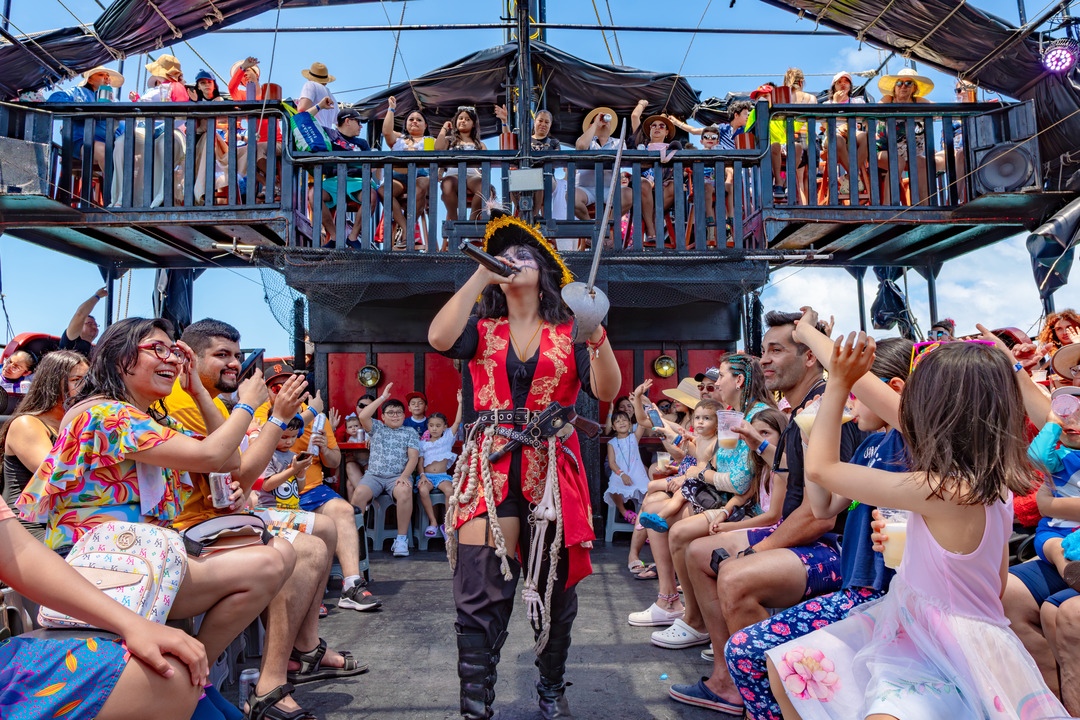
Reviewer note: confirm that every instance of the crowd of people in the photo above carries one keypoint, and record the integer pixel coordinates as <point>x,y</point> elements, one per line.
<point>340,129</point>
<point>779,488</point>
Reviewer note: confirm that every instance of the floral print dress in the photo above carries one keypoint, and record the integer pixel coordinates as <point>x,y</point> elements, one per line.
<point>87,479</point>
<point>57,678</point>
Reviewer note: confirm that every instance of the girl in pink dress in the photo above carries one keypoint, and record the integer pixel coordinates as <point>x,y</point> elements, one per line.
<point>938,644</point>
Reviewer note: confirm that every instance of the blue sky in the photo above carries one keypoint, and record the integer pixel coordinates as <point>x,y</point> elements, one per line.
<point>992,285</point>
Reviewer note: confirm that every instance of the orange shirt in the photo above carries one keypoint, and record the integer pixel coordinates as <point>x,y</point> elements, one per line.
<point>198,506</point>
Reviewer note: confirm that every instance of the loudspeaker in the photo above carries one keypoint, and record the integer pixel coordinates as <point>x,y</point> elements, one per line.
<point>1002,152</point>
<point>24,167</point>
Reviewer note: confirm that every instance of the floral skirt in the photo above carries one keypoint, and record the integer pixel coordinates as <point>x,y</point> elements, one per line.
<point>63,678</point>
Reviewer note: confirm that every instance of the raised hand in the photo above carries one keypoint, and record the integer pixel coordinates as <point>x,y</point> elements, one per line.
<point>392,102</point>
<point>290,397</point>
<point>851,359</point>
<point>335,419</point>
<point>253,390</point>
<point>316,403</point>
<point>386,391</point>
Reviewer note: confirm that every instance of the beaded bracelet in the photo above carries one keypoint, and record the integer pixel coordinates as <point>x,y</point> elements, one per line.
<point>245,406</point>
<point>594,348</point>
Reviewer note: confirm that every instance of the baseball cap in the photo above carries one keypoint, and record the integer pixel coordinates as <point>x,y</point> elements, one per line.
<point>712,373</point>
<point>348,113</point>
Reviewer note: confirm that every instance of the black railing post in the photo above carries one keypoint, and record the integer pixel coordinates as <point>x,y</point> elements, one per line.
<point>764,147</point>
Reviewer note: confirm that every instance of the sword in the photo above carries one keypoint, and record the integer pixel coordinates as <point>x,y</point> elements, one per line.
<point>589,304</point>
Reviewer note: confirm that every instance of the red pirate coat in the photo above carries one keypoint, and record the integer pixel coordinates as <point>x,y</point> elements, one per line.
<point>555,380</point>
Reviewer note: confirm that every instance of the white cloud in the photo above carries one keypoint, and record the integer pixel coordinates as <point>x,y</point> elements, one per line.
<point>993,285</point>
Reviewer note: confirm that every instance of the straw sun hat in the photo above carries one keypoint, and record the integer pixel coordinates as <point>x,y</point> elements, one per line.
<point>115,78</point>
<point>686,393</point>
<point>923,85</point>
<point>597,111</point>
<point>660,118</point>
<point>318,73</point>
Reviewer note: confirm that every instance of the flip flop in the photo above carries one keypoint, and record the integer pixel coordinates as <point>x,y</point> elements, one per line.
<point>649,574</point>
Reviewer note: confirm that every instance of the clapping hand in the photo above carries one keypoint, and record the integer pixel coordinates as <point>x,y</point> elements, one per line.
<point>851,359</point>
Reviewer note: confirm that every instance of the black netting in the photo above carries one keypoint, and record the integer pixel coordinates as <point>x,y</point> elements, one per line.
<point>343,279</point>
<point>282,300</point>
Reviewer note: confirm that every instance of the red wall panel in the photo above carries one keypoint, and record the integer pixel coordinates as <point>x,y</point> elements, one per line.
<point>625,358</point>
<point>441,383</point>
<point>343,387</point>
<point>396,368</point>
<point>701,360</point>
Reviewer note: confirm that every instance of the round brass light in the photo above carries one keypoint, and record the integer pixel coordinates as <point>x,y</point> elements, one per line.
<point>664,366</point>
<point>369,376</point>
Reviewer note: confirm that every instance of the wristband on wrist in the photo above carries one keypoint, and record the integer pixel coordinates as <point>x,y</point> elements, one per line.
<point>1017,367</point>
<point>245,406</point>
<point>761,448</point>
<point>280,423</point>
<point>677,441</point>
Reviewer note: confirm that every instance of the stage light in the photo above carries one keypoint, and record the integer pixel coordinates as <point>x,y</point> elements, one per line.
<point>664,366</point>
<point>369,376</point>
<point>1061,55</point>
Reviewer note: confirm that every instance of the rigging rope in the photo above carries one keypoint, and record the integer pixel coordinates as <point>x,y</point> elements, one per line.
<point>614,35</point>
<point>603,33</point>
<point>116,54</point>
<point>690,45</point>
<point>397,43</point>
<point>69,72</point>
<point>408,76</point>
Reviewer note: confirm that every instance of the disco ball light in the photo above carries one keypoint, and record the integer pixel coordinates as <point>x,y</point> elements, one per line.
<point>1061,55</point>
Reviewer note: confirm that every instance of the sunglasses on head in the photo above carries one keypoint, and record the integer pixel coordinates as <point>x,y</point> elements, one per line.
<point>466,108</point>
<point>921,350</point>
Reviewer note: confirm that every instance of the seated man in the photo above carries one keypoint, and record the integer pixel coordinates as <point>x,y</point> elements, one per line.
<point>597,128</point>
<point>394,452</point>
<point>293,652</point>
<point>767,568</point>
<point>82,329</point>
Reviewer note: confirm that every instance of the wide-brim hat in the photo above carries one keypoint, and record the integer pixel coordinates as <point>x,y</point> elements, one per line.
<point>654,118</point>
<point>686,393</point>
<point>236,66</point>
<point>154,80</point>
<point>505,231</point>
<point>601,111</point>
<point>842,74</point>
<point>164,65</point>
<point>115,78</point>
<point>1065,357</point>
<point>923,85</point>
<point>318,73</point>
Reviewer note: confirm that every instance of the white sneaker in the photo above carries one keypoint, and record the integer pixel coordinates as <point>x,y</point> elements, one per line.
<point>400,547</point>
<point>678,636</point>
<point>707,653</point>
<point>655,616</point>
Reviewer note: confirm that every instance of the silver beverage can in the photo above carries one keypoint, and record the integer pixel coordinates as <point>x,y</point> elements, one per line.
<point>220,492</point>
<point>606,117</point>
<point>248,680</point>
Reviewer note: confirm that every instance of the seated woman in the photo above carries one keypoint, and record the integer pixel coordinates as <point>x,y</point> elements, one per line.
<point>462,134</point>
<point>88,91</point>
<point>413,137</point>
<point>656,133</point>
<point>965,92</point>
<point>243,72</point>
<point>540,141</point>
<point>840,94</point>
<point>1061,328</point>
<point>117,459</point>
<point>149,670</point>
<point>28,436</point>
<point>907,86</point>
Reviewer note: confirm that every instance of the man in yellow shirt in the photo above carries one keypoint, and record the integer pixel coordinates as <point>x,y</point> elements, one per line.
<point>315,496</point>
<point>293,651</point>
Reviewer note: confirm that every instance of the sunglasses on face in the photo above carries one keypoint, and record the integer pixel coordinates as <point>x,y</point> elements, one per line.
<point>163,351</point>
<point>937,334</point>
<point>905,83</point>
<point>703,387</point>
<point>710,137</point>
<point>664,407</point>
<point>659,124</point>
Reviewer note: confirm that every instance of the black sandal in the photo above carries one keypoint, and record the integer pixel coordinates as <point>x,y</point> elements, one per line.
<point>312,669</point>
<point>264,707</point>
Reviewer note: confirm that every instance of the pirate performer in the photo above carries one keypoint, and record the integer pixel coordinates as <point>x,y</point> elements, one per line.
<point>519,488</point>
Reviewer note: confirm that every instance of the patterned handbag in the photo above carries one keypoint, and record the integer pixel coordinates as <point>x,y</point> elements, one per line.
<point>140,566</point>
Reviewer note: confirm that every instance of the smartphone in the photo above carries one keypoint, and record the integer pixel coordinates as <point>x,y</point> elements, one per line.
<point>253,360</point>
<point>654,417</point>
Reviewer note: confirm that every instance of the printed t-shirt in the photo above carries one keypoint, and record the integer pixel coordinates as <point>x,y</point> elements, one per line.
<point>88,478</point>
<point>390,449</point>
<point>199,505</point>
<point>420,426</point>
<point>860,566</point>
<point>314,476</point>
<point>287,494</point>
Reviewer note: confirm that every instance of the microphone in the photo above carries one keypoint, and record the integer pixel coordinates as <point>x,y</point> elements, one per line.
<point>489,261</point>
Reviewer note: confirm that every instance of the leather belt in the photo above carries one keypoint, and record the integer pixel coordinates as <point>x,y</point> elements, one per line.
<point>506,417</point>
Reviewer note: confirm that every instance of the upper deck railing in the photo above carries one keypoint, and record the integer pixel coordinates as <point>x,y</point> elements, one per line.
<point>138,172</point>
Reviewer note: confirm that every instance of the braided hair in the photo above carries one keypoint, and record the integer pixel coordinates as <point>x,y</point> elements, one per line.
<point>753,387</point>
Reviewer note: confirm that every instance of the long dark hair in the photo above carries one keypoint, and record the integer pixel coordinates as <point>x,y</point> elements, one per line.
<point>963,419</point>
<point>892,359</point>
<point>115,356</point>
<point>405,123</point>
<point>777,420</point>
<point>753,389</point>
<point>552,308</point>
<point>48,388</point>
<point>475,137</point>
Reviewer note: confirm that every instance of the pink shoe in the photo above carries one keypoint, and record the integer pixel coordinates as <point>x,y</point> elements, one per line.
<point>631,517</point>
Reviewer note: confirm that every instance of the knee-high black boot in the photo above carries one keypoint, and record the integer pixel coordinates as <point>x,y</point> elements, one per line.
<point>477,667</point>
<point>552,661</point>
<point>484,602</point>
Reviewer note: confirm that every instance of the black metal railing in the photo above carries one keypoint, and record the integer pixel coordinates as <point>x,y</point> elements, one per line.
<point>156,157</point>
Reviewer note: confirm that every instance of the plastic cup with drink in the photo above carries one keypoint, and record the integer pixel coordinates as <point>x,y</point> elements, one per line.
<point>726,422</point>
<point>808,415</point>
<point>895,535</point>
<point>663,461</point>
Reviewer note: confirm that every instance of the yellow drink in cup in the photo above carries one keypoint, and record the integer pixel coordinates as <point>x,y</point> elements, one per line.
<point>663,461</point>
<point>726,422</point>
<point>896,535</point>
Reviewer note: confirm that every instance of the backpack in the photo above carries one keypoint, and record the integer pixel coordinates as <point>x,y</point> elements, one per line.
<point>140,566</point>
<point>307,134</point>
